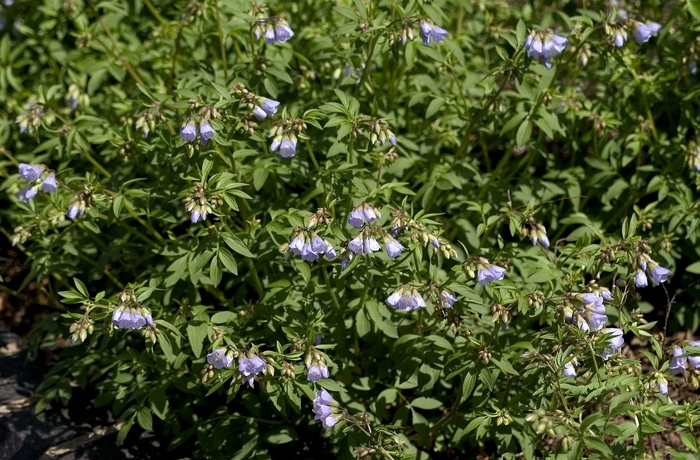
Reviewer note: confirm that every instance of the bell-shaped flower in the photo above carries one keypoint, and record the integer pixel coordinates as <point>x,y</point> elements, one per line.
<point>219,359</point>
<point>677,364</point>
<point>614,343</point>
<point>30,172</point>
<point>644,32</point>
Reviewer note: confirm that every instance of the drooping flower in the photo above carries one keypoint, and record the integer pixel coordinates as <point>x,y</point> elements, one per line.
<point>316,373</point>
<point>49,184</point>
<point>640,279</point>
<point>297,244</point>
<point>364,213</point>
<point>620,38</point>
<point>308,254</point>
<point>27,193</point>
<point>283,32</point>
<point>288,147</point>
<point>131,318</point>
<point>197,215</point>
<point>393,247</point>
<point>363,244</point>
<point>569,369</point>
<point>406,300</point>
<point>589,314</point>
<point>659,274</point>
<point>430,31</point>
<point>448,299</point>
<point>326,409</point>
<point>694,360</point>
<point>544,45</point>
<point>219,359</point>
<point>206,131</point>
<point>663,387</point>
<point>488,273</point>
<point>677,364</point>
<point>265,108</point>
<point>605,294</point>
<point>250,365</point>
<point>644,32</point>
<point>188,131</point>
<point>74,211</point>
<point>615,342</point>
<point>30,172</point>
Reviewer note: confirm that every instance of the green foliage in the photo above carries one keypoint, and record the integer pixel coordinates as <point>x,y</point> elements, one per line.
<point>599,153</point>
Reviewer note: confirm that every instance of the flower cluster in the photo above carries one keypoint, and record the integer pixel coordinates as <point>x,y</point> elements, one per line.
<point>250,365</point>
<point>544,45</point>
<point>147,121</point>
<point>379,131</point>
<point>406,299</point>
<point>39,177</point>
<point>79,203</point>
<point>326,409</point>
<point>364,243</point>
<point>677,364</point>
<point>198,205</point>
<point>275,30</point>
<point>285,137</point>
<point>615,341</point>
<point>316,367</point>
<point>658,273</point>
<point>487,272</point>
<point>220,358</point>
<point>188,131</point>
<point>129,314</point>
<point>363,214</point>
<point>588,313</point>
<point>309,245</point>
<point>640,31</point>
<point>30,122</point>
<point>534,231</point>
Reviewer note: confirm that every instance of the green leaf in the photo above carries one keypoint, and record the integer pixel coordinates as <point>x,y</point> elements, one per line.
<point>236,245</point>
<point>196,335</point>
<point>145,418</point>
<point>227,259</point>
<point>426,403</point>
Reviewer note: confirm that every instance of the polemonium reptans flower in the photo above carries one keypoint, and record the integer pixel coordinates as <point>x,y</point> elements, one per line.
<point>325,409</point>
<point>364,213</point>
<point>489,274</point>
<point>430,31</point>
<point>206,131</point>
<point>26,194</point>
<point>644,32</point>
<point>297,245</point>
<point>694,360</point>
<point>544,45</point>
<point>569,369</point>
<point>659,274</point>
<point>316,373</point>
<point>125,318</point>
<point>592,316</point>
<point>49,184</point>
<point>663,388</point>
<point>620,38</point>
<point>393,248</point>
<point>283,32</point>
<point>308,254</point>
<point>30,172</point>
<point>74,211</point>
<point>219,359</point>
<point>363,244</point>
<point>677,364</point>
<point>640,279</point>
<point>605,294</point>
<point>188,131</point>
<point>447,299</point>
<point>270,36</point>
<point>407,300</point>
<point>615,343</point>
<point>288,148</point>
<point>250,366</point>
<point>265,108</point>
<point>196,216</point>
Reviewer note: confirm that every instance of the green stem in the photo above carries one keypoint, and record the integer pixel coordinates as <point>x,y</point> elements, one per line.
<point>256,279</point>
<point>155,12</point>
<point>222,39</point>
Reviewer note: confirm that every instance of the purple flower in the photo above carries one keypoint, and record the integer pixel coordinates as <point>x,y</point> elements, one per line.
<point>640,279</point>
<point>569,369</point>
<point>308,254</point>
<point>447,299</point>
<point>620,38</point>
<point>318,244</point>
<point>330,251</point>
<point>490,274</point>
<point>288,148</point>
<point>663,388</point>
<point>219,359</point>
<point>405,300</point>
<point>266,107</point>
<point>316,373</point>
<point>275,144</point>
<point>428,31</point>
<point>644,32</point>
<point>196,216</point>
<point>125,319</point>
<point>605,294</point>
<point>544,46</point>
<point>283,33</point>
<point>74,211</point>
<point>189,131</point>
<point>435,242</point>
<point>26,194</point>
<point>659,274</point>
<point>615,343</point>
<point>677,364</point>
<point>324,409</point>
<point>270,37</point>
<point>364,213</point>
<point>363,244</point>
<point>206,131</point>
<point>392,139</point>
<point>694,360</point>
<point>545,241</point>
<point>250,367</point>
<point>297,245</point>
<point>393,248</point>
<point>49,184</point>
<point>30,172</point>
<point>370,245</point>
